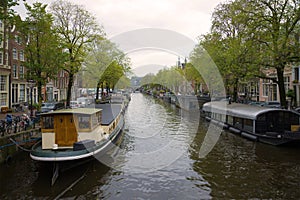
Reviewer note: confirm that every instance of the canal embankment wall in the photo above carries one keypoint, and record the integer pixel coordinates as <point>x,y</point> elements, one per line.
<point>185,102</point>
<point>10,144</point>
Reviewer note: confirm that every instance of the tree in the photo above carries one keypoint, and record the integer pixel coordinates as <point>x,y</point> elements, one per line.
<point>112,74</point>
<point>274,25</point>
<point>148,79</point>
<point>104,57</point>
<point>250,36</point>
<point>7,13</point>
<point>194,76</point>
<point>208,59</point>
<point>44,55</point>
<point>77,28</point>
<point>230,45</point>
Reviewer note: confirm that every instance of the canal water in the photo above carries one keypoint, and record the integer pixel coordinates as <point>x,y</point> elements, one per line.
<point>165,153</point>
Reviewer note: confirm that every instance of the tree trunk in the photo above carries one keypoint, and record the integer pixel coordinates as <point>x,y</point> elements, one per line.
<point>102,89</point>
<point>97,90</point>
<point>235,89</point>
<point>71,78</point>
<point>40,96</point>
<point>281,86</point>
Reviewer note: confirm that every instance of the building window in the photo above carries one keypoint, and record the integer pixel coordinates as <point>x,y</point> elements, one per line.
<point>3,99</point>
<point>15,56</point>
<point>1,58</point>
<point>22,93</point>
<point>296,70</point>
<point>14,93</point>
<point>6,58</point>
<point>2,83</point>
<point>18,39</point>
<point>287,83</point>
<point>22,55</point>
<point>21,71</point>
<point>15,74</point>
<point>266,87</point>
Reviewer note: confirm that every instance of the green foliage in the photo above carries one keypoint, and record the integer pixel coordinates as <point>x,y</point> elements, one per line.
<point>290,93</point>
<point>76,28</point>
<point>148,79</point>
<point>7,13</point>
<point>205,58</point>
<point>44,55</point>
<point>249,36</point>
<point>123,83</point>
<point>105,65</point>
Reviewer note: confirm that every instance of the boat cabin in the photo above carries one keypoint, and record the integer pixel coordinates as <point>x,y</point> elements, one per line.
<point>253,119</point>
<point>63,128</point>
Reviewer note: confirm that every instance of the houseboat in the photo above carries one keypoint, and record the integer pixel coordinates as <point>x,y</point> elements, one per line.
<point>268,125</point>
<point>72,134</point>
<point>75,135</point>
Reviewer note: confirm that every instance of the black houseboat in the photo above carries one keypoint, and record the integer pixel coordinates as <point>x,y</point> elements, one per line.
<point>268,125</point>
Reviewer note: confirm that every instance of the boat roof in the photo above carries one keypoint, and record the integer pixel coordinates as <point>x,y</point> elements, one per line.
<point>88,111</point>
<point>109,112</point>
<point>238,110</point>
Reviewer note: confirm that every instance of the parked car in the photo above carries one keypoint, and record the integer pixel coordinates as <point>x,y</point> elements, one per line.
<point>273,104</point>
<point>51,106</point>
<point>74,104</point>
<point>257,103</point>
<point>297,109</point>
<point>83,101</point>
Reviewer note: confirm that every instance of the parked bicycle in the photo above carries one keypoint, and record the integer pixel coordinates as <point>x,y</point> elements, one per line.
<point>14,124</point>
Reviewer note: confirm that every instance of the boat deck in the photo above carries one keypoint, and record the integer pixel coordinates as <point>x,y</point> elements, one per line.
<point>109,112</point>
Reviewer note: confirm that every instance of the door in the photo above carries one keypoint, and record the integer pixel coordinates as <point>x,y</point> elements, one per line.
<point>65,130</point>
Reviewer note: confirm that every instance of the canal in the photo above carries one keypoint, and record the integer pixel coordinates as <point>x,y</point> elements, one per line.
<point>160,157</point>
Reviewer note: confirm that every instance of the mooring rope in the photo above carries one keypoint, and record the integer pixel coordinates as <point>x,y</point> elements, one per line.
<point>16,143</point>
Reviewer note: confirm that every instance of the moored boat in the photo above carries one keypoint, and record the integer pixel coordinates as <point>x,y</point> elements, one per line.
<point>72,134</point>
<point>268,125</point>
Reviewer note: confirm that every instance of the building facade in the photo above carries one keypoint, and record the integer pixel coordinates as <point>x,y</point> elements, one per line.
<point>5,69</point>
<point>15,90</point>
<point>296,84</point>
<point>19,84</point>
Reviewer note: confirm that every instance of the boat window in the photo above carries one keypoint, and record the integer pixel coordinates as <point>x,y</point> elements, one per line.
<point>283,117</point>
<point>94,120</point>
<point>276,121</point>
<point>294,118</point>
<point>223,118</point>
<point>47,122</point>
<point>238,122</point>
<point>261,117</point>
<point>99,117</point>
<point>219,116</point>
<point>84,121</point>
<point>248,125</point>
<point>230,120</point>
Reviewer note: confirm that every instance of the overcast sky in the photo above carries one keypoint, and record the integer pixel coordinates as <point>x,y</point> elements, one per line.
<point>189,19</point>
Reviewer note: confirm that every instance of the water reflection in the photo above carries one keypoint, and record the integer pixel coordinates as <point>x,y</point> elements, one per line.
<point>159,134</point>
<point>238,168</point>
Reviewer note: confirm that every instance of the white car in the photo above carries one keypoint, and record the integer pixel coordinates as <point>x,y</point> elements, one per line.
<point>74,104</point>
